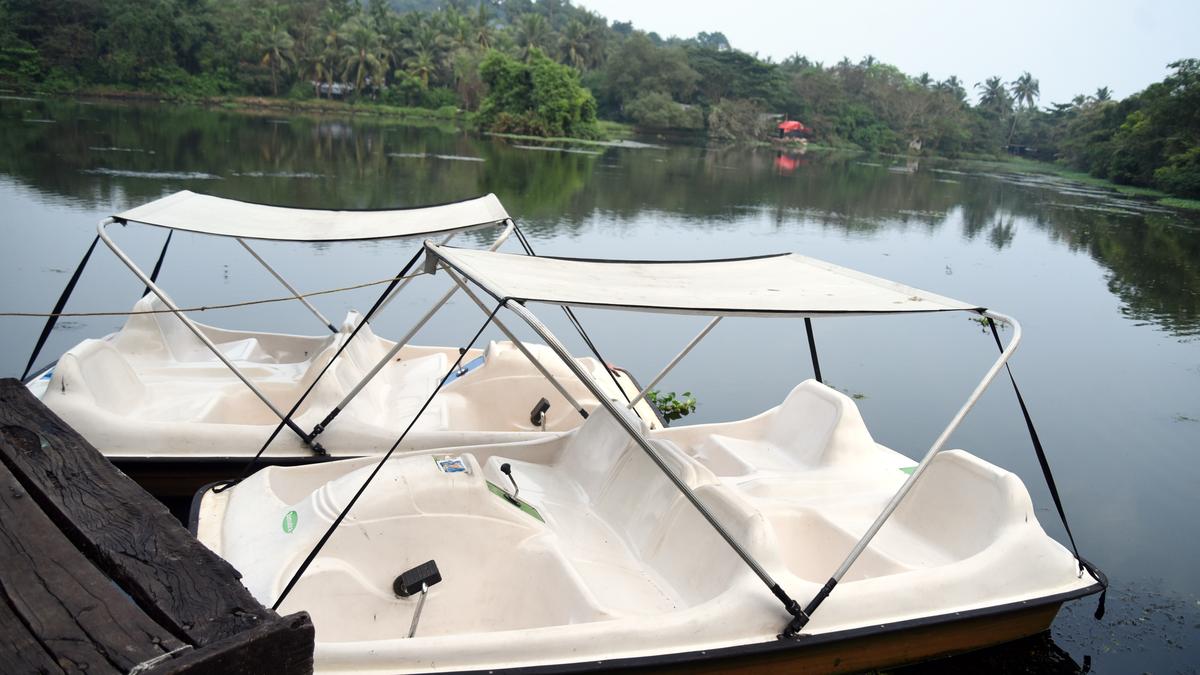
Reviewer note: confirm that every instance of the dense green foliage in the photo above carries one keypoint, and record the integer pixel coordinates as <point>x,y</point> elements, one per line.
<point>454,53</point>
<point>1149,139</point>
<point>536,96</point>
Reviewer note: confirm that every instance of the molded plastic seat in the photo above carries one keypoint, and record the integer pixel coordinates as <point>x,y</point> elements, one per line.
<point>814,427</point>
<point>622,522</point>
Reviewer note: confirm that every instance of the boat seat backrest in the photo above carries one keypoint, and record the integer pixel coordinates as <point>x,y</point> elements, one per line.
<point>623,485</point>
<point>141,335</point>
<point>357,359</point>
<point>817,425</point>
<point>693,557</point>
<point>960,505</point>
<point>152,332</point>
<point>594,451</point>
<point>638,497</point>
<point>96,367</point>
<point>182,344</point>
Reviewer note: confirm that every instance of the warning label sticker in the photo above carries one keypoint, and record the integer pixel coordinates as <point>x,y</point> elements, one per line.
<point>450,464</point>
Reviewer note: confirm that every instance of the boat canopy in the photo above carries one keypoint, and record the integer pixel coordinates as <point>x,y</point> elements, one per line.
<point>205,214</point>
<point>786,284</point>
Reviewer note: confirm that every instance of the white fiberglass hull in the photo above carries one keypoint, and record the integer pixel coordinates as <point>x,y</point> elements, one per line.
<point>152,392</point>
<point>607,564</point>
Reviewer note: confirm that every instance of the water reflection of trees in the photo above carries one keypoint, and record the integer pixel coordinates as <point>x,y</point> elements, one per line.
<point>121,155</point>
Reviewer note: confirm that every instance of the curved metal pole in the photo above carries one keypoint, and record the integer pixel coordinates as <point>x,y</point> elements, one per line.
<point>295,293</point>
<point>191,325</point>
<point>508,229</point>
<point>937,447</point>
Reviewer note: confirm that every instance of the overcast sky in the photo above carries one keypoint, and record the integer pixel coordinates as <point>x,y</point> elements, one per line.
<point>1070,46</point>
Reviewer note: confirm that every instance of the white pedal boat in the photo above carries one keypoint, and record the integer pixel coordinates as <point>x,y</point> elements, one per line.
<point>153,391</point>
<point>788,540</point>
<point>177,403</point>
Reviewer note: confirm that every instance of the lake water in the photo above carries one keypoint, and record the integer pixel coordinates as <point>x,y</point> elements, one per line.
<point>1107,289</point>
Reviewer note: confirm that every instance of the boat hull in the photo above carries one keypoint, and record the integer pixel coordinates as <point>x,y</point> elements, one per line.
<point>851,651</point>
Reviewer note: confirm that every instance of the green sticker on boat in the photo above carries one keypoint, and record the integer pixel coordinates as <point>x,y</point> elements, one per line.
<point>289,521</point>
<point>908,469</point>
<point>521,503</point>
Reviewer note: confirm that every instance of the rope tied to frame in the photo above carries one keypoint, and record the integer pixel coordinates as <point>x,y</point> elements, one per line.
<point>225,485</point>
<point>205,308</point>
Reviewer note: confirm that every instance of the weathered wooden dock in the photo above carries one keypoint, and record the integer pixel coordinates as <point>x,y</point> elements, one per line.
<point>97,576</point>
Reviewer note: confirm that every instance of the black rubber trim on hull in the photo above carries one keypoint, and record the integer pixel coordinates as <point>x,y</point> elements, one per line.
<point>193,521</point>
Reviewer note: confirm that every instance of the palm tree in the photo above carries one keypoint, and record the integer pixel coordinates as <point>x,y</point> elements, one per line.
<point>421,65</point>
<point>455,27</point>
<point>595,36</point>
<point>1025,91</point>
<point>275,44</point>
<point>954,87</point>
<point>994,96</point>
<point>326,64</point>
<point>481,27</point>
<point>425,48</point>
<point>531,32</point>
<point>924,80</point>
<point>362,53</point>
<point>573,44</point>
<point>1102,94</point>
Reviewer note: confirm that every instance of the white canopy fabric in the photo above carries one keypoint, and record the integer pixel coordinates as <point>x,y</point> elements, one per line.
<point>785,284</point>
<point>205,214</point>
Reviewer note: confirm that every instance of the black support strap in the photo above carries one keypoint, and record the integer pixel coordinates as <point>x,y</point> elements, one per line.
<point>812,348</point>
<point>1037,447</point>
<point>801,618</point>
<point>1041,455</point>
<point>58,307</point>
<point>158,265</point>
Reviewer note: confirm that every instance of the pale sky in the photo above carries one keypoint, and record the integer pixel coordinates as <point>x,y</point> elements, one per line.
<point>1071,46</point>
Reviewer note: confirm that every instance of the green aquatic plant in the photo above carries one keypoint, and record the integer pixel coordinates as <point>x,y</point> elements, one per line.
<point>983,322</point>
<point>670,405</point>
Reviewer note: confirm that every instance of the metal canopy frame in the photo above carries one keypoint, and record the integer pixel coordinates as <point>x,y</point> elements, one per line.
<point>194,328</point>
<point>800,615</point>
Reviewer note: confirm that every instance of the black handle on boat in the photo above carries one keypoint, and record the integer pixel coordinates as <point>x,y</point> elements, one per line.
<point>537,416</point>
<point>506,469</point>
<point>417,579</point>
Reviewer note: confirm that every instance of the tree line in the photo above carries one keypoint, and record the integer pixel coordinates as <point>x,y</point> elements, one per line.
<point>552,68</point>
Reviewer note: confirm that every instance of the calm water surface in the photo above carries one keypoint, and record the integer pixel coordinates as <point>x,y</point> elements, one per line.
<point>1108,291</point>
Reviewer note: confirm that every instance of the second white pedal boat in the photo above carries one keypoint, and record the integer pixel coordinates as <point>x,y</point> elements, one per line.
<point>177,403</point>
<point>790,539</point>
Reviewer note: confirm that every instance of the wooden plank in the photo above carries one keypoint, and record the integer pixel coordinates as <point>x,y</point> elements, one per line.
<point>281,647</point>
<point>20,651</point>
<point>129,535</point>
<point>71,609</point>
